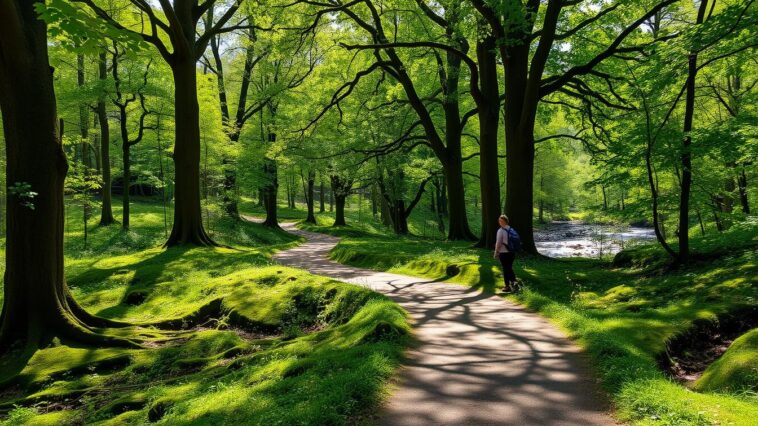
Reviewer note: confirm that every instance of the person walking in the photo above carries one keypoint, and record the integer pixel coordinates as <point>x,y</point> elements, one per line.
<point>506,253</point>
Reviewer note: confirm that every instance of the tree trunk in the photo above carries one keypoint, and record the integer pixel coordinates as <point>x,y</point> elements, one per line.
<point>339,215</point>
<point>452,163</point>
<point>489,115</point>
<point>458,228</point>
<point>127,177</point>
<point>729,187</point>
<point>605,198</point>
<point>84,143</point>
<point>442,197</point>
<point>386,212</point>
<point>686,156</point>
<point>309,197</point>
<point>519,144</point>
<point>106,213</point>
<point>542,200</point>
<point>271,188</point>
<point>321,197</point>
<point>340,190</point>
<point>700,221</point>
<point>742,184</point>
<point>399,218</point>
<point>231,206</point>
<point>432,204</point>
<point>374,201</point>
<point>38,304</point>
<point>188,219</point>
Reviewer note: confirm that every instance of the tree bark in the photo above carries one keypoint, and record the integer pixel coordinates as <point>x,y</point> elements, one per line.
<point>742,184</point>
<point>309,197</point>
<point>84,143</point>
<point>340,190</point>
<point>321,196</point>
<point>686,156</point>
<point>38,304</point>
<point>489,115</point>
<point>127,176</point>
<point>106,212</point>
<point>339,215</point>
<point>271,188</point>
<point>188,220</point>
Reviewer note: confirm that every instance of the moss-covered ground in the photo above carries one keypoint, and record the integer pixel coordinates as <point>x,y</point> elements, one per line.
<point>622,315</point>
<point>229,337</point>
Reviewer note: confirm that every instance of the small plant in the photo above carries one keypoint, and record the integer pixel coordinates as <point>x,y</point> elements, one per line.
<point>19,415</point>
<point>23,191</point>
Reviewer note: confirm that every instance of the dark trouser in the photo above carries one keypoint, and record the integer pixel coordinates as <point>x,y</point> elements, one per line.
<point>506,259</point>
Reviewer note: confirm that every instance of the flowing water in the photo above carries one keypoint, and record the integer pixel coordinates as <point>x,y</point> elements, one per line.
<point>578,239</point>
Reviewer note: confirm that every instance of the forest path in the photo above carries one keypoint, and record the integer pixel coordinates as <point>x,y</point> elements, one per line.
<point>479,359</point>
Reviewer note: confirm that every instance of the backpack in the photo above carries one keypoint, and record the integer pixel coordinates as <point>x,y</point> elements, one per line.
<point>514,240</point>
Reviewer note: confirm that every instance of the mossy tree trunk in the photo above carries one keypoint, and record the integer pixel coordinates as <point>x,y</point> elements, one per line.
<point>38,304</point>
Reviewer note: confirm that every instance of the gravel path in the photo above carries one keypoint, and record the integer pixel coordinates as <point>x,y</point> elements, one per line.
<point>479,360</point>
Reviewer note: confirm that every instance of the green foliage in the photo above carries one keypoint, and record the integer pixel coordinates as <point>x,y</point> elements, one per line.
<point>23,191</point>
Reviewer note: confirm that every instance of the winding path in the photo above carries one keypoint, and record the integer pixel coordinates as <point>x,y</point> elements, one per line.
<point>480,359</point>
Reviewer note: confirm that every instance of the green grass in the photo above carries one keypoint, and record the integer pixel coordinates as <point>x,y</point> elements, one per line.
<point>277,346</point>
<point>622,316</point>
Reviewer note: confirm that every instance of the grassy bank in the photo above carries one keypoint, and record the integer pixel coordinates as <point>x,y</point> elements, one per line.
<point>622,316</point>
<point>228,338</point>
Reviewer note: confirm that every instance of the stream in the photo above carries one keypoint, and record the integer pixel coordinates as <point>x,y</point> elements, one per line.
<point>578,239</point>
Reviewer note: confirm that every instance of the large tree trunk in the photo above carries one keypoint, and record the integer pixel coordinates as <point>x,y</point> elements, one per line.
<point>339,214</point>
<point>489,111</point>
<point>38,304</point>
<point>106,212</point>
<point>458,228</point>
<point>519,188</point>
<point>519,145</point>
<point>188,219</point>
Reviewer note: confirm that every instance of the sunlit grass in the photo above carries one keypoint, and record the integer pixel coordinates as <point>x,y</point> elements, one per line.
<point>282,346</point>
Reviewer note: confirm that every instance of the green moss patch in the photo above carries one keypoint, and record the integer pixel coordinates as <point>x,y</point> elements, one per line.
<point>736,370</point>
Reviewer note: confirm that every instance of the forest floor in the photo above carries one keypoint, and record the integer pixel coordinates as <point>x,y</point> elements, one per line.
<point>231,338</point>
<point>629,318</point>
